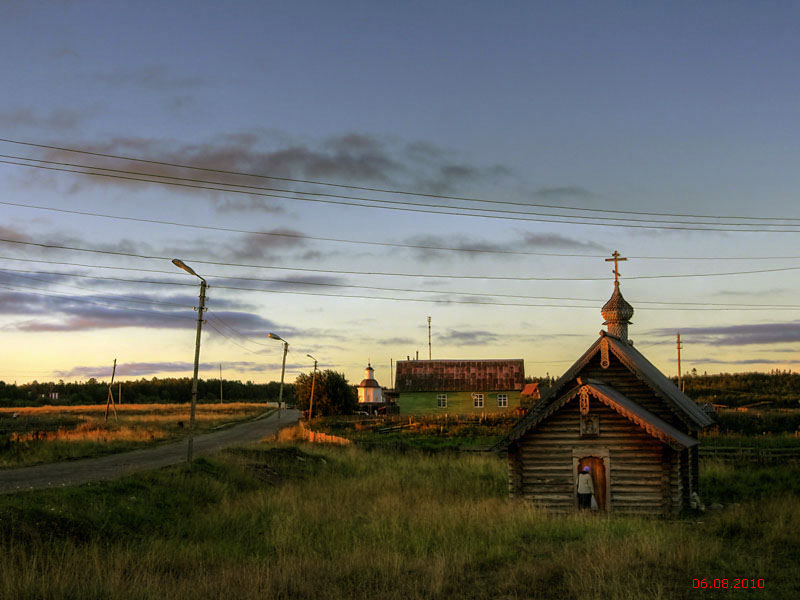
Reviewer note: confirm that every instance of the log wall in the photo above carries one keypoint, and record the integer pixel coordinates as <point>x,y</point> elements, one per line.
<point>643,475</point>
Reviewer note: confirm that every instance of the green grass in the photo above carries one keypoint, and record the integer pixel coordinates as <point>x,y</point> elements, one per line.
<point>769,440</point>
<point>426,433</point>
<point>295,521</point>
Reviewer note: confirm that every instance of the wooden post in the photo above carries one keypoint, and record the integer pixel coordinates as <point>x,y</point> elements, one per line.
<point>110,399</point>
<point>679,363</point>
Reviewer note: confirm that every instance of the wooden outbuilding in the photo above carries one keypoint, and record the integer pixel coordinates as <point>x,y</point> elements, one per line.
<point>616,413</point>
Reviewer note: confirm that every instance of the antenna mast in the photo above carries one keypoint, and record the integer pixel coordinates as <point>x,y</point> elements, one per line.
<point>679,361</point>
<point>429,338</point>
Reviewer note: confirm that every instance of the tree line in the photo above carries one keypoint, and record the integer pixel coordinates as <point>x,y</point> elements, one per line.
<point>781,388</point>
<point>141,391</point>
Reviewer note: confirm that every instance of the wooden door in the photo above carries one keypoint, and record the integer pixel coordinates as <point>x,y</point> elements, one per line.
<point>598,472</point>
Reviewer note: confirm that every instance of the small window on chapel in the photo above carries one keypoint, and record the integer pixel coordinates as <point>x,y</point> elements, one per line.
<point>502,400</point>
<point>477,400</point>
<point>441,400</point>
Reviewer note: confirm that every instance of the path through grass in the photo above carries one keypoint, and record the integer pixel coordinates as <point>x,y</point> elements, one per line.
<point>44,434</point>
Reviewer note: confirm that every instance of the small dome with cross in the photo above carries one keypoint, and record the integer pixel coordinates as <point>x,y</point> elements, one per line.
<point>617,312</point>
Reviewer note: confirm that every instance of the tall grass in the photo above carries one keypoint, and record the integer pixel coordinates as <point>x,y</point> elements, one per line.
<point>291,521</point>
<point>34,435</point>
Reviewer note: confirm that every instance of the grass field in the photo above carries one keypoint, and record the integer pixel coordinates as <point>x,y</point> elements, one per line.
<point>295,521</point>
<point>767,440</point>
<point>42,434</point>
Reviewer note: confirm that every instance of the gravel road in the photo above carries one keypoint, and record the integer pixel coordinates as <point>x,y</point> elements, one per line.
<point>76,472</point>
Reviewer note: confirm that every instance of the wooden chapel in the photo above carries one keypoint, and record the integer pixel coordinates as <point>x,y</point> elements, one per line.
<point>615,412</point>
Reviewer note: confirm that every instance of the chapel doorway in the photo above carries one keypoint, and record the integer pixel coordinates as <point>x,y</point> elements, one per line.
<point>598,471</point>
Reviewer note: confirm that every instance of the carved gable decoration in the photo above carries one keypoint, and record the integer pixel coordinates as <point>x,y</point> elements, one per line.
<point>604,359</point>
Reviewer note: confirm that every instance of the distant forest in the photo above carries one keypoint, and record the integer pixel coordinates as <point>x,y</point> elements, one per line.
<point>142,391</point>
<point>781,388</point>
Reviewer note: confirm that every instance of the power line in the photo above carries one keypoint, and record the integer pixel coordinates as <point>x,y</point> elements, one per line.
<point>432,300</point>
<point>231,340</point>
<point>377,190</point>
<point>517,217</point>
<point>388,274</point>
<point>738,305</point>
<point>370,243</point>
<point>139,174</point>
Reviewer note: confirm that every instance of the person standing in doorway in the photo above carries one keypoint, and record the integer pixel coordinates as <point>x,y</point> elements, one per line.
<point>585,488</point>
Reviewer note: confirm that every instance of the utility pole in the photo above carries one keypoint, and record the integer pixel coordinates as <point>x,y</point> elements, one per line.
<point>283,371</point>
<point>313,382</point>
<point>119,393</point>
<point>220,383</point>
<point>391,373</point>
<point>275,336</point>
<point>200,310</point>
<point>110,399</point>
<point>429,339</point>
<point>679,362</point>
<point>201,307</point>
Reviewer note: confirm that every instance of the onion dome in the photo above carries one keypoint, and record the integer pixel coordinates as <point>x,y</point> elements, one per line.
<point>617,314</point>
<point>369,381</point>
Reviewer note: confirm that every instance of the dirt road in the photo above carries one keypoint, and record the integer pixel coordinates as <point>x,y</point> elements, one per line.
<point>115,465</point>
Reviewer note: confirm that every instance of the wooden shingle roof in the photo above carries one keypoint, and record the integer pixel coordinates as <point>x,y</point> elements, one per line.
<point>632,411</point>
<point>633,360</point>
<point>460,375</point>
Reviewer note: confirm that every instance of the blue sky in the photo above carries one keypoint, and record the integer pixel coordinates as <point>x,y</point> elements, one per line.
<point>673,108</point>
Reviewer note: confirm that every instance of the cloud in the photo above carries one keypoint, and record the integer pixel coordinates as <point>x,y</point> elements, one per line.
<point>739,335</point>
<point>771,292</point>
<point>152,77</point>
<point>570,191</point>
<point>459,337</point>
<point>256,246</point>
<point>10,233</point>
<point>354,158</point>
<point>554,241</point>
<point>395,341</point>
<point>139,369</point>
<point>43,312</point>
<point>746,361</point>
<point>472,246</point>
<point>61,119</point>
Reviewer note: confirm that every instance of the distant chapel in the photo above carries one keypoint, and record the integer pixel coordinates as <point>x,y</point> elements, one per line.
<point>614,412</point>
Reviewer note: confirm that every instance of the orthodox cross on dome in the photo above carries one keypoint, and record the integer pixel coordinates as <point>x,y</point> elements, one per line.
<point>616,257</point>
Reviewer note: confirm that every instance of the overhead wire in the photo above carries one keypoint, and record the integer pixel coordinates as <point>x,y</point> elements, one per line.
<point>732,227</point>
<point>284,234</point>
<point>141,176</point>
<point>373,189</point>
<point>392,274</point>
<point>738,305</point>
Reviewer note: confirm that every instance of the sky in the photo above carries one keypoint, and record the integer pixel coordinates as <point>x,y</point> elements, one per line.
<point>377,163</point>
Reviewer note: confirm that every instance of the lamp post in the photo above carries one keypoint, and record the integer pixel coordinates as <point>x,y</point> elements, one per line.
<point>313,381</point>
<point>283,368</point>
<point>202,306</point>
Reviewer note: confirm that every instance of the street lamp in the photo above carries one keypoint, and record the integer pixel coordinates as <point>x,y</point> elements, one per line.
<point>202,306</point>
<point>313,381</point>
<point>283,368</point>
